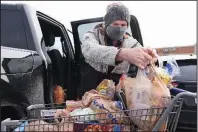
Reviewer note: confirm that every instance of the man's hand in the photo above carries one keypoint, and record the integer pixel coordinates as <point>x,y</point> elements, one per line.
<point>151,52</point>
<point>140,57</point>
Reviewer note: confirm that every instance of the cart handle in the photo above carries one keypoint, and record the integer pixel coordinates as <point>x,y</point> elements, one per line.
<point>37,106</point>
<point>171,106</point>
<point>8,122</point>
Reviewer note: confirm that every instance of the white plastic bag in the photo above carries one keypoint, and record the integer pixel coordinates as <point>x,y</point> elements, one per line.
<point>141,91</point>
<point>172,68</point>
<point>142,95</point>
<point>141,100</point>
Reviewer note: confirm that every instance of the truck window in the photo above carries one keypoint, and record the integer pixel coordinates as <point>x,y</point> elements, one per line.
<point>12,29</point>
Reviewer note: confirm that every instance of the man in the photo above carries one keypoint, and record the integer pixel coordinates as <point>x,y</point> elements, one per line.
<point>109,50</point>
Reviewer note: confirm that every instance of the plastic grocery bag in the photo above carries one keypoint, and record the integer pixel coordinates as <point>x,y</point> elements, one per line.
<point>144,93</point>
<point>141,91</point>
<point>172,68</point>
<point>140,100</point>
<point>168,72</point>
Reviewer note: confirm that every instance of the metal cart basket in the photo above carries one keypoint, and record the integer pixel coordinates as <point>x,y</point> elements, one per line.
<point>41,118</point>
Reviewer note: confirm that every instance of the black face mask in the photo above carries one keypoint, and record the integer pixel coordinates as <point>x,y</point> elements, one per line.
<point>116,33</point>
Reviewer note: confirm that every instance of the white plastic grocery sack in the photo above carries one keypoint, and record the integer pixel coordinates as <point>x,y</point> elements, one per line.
<point>141,91</point>
<point>142,95</point>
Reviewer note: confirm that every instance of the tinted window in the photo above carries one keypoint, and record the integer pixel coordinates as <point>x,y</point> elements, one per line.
<point>12,29</point>
<point>82,29</point>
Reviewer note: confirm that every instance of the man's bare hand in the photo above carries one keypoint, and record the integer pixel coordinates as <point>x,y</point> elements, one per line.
<point>140,57</point>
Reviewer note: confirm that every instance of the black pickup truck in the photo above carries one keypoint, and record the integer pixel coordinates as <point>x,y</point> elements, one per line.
<point>37,54</point>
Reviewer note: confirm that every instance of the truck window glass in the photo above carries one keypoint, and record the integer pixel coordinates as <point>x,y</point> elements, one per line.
<point>82,29</point>
<point>12,29</point>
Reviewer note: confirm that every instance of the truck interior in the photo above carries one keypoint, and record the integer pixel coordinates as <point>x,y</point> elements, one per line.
<point>52,35</point>
<point>55,48</point>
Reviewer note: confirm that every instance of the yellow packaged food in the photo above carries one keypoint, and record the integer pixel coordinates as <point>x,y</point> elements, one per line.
<point>165,77</point>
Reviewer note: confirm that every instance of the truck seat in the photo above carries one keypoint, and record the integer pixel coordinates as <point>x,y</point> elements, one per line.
<point>56,58</point>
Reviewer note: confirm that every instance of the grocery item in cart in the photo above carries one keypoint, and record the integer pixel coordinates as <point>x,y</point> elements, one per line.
<point>79,114</point>
<point>104,109</point>
<point>59,95</point>
<point>61,113</point>
<point>72,105</point>
<point>88,97</point>
<point>107,128</point>
<point>168,72</point>
<point>106,88</point>
<point>94,102</point>
<point>143,94</point>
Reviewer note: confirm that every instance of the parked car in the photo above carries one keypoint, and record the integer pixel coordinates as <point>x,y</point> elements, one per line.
<point>37,55</point>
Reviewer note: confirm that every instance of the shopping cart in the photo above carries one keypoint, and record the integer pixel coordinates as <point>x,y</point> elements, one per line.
<point>41,118</point>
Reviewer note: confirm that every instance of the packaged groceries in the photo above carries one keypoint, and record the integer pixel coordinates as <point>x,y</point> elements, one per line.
<point>71,105</point>
<point>61,112</point>
<point>103,109</point>
<point>98,102</point>
<point>88,97</point>
<point>98,111</point>
<point>168,72</point>
<point>107,128</point>
<point>79,114</point>
<point>106,88</point>
<point>59,95</point>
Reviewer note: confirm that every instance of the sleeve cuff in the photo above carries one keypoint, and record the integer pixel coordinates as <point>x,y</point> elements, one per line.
<point>118,62</point>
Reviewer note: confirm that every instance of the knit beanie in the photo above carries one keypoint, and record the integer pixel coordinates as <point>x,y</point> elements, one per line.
<point>116,11</point>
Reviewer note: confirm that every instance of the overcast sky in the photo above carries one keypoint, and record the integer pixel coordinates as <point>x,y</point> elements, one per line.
<point>162,23</point>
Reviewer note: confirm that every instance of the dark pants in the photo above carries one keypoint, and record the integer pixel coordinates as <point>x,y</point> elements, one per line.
<point>91,78</point>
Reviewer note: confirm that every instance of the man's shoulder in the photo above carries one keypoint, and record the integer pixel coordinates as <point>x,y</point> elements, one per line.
<point>98,29</point>
<point>96,32</point>
<point>92,32</point>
